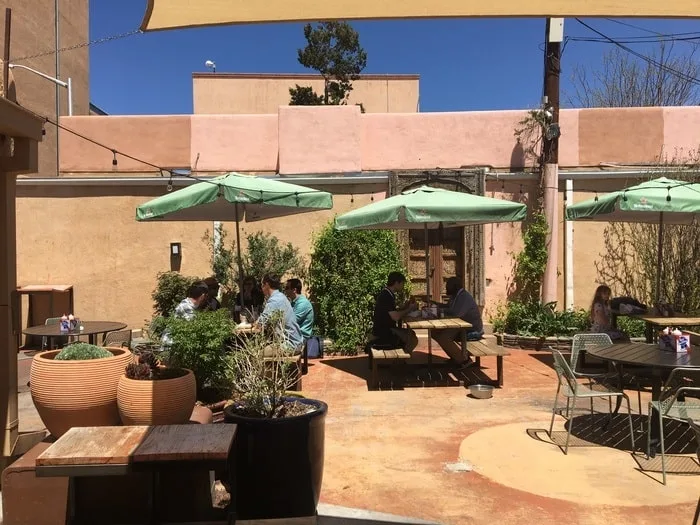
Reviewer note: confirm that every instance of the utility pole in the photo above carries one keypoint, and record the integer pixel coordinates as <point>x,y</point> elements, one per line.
<point>554,34</point>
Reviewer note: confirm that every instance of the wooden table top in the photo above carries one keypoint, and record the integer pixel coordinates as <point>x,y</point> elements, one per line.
<point>82,446</point>
<point>670,321</point>
<point>437,324</point>
<point>649,355</point>
<point>89,328</point>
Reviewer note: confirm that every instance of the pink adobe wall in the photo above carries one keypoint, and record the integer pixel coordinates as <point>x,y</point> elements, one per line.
<point>249,143</point>
<point>325,137</point>
<point>161,140</point>
<point>681,133</point>
<point>340,139</point>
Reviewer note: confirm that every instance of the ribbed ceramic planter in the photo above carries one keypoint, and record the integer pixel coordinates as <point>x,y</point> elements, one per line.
<point>158,402</point>
<point>81,393</point>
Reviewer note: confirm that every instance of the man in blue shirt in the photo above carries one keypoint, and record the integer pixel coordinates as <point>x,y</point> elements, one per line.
<point>463,306</point>
<point>303,309</point>
<point>277,302</point>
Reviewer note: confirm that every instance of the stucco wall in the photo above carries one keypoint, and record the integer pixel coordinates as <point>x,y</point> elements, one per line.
<point>341,139</point>
<point>33,33</point>
<point>241,94</point>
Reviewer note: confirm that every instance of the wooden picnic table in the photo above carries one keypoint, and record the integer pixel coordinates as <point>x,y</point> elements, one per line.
<point>655,322</point>
<point>85,452</point>
<point>440,324</point>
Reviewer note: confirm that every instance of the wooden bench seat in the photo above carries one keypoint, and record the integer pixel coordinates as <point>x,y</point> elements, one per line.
<point>694,337</point>
<point>293,360</point>
<point>390,356</point>
<point>488,348</point>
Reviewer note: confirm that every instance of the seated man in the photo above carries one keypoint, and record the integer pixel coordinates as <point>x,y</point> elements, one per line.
<point>461,305</point>
<point>277,302</point>
<point>386,316</point>
<point>197,296</point>
<point>302,307</point>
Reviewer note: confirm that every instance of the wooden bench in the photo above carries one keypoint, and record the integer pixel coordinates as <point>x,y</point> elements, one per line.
<point>694,337</point>
<point>390,356</point>
<point>292,360</point>
<point>488,348</point>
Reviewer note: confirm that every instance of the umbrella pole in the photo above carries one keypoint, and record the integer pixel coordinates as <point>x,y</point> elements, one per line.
<point>427,263</point>
<point>240,261</point>
<point>659,259</point>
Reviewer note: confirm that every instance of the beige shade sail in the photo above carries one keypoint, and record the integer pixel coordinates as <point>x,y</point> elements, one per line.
<point>172,14</point>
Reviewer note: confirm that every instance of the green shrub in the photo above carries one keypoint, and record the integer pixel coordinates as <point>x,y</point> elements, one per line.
<point>539,320</point>
<point>348,269</point>
<point>82,351</point>
<point>265,254</point>
<point>171,288</point>
<point>201,345</point>
<point>632,326</point>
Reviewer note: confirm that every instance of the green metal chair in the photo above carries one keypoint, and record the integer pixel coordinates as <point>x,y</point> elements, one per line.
<point>696,428</point>
<point>672,405</point>
<point>119,338</point>
<point>58,341</point>
<point>573,390</point>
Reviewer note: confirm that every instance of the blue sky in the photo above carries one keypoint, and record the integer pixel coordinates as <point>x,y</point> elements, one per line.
<point>465,64</point>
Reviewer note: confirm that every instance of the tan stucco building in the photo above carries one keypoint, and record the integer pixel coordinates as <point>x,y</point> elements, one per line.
<point>253,93</point>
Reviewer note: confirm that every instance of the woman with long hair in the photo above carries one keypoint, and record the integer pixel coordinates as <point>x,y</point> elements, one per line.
<point>601,315</point>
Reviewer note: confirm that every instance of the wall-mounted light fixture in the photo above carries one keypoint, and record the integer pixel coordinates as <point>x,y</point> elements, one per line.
<point>175,256</point>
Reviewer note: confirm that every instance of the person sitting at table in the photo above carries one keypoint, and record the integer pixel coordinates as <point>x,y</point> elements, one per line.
<point>197,295</point>
<point>386,316</point>
<point>302,307</point>
<point>250,298</point>
<point>463,306</point>
<point>212,303</point>
<point>276,302</point>
<point>601,315</point>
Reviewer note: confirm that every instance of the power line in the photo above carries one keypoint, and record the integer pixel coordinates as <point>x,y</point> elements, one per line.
<point>79,46</point>
<point>660,65</point>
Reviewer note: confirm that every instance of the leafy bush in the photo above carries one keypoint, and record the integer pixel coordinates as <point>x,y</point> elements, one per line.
<point>348,269</point>
<point>265,254</point>
<point>171,288</point>
<point>200,344</point>
<point>223,260</point>
<point>539,320</point>
<point>82,351</point>
<point>531,262</point>
<point>632,326</point>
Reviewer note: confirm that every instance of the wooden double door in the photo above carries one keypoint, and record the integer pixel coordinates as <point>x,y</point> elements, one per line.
<point>453,251</point>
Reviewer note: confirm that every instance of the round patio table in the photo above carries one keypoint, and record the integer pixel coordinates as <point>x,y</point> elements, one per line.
<point>644,355</point>
<point>90,329</point>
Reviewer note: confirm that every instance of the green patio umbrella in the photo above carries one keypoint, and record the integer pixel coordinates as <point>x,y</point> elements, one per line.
<point>234,197</point>
<point>658,201</point>
<point>431,208</point>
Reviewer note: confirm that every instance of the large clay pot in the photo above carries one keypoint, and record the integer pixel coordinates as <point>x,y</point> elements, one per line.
<point>276,465</point>
<point>80,393</point>
<point>157,402</point>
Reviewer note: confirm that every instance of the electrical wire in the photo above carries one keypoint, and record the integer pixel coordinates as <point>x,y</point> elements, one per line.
<point>89,43</point>
<point>660,65</point>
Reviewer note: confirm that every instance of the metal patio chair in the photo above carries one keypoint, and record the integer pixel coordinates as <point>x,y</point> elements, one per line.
<point>573,390</point>
<point>118,338</point>
<point>696,428</point>
<point>672,405</point>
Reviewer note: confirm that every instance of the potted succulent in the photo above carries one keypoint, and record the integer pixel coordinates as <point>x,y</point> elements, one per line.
<point>151,394</point>
<point>77,386</point>
<point>276,462</point>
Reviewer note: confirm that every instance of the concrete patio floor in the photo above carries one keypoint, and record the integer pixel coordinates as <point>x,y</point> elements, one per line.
<point>430,452</point>
<point>433,453</point>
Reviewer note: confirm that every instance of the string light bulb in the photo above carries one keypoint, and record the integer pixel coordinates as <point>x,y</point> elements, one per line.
<point>169,187</point>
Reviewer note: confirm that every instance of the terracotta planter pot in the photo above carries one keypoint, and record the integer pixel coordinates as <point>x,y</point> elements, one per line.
<point>81,393</point>
<point>159,402</point>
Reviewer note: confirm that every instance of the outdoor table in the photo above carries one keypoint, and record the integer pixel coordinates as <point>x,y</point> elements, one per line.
<point>650,356</point>
<point>654,323</point>
<point>439,324</point>
<point>90,329</point>
<point>85,452</point>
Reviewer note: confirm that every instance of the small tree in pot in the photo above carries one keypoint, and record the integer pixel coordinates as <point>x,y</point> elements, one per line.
<point>277,459</point>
